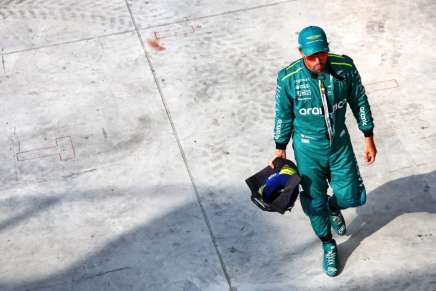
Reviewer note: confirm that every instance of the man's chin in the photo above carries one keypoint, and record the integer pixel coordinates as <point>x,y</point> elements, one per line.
<point>318,69</point>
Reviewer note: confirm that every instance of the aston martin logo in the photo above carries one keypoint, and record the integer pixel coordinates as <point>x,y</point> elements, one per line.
<point>312,37</point>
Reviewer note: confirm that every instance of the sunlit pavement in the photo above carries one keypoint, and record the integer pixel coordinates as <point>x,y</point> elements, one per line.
<point>130,127</point>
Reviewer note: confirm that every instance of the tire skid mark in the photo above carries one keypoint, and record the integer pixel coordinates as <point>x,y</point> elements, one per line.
<point>99,12</point>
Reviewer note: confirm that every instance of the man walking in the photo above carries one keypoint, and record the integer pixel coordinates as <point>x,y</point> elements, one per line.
<point>311,100</point>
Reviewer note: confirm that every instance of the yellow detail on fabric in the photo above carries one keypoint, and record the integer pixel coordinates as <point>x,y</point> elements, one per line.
<point>290,74</point>
<point>293,64</point>
<point>336,56</point>
<point>342,64</point>
<point>260,191</point>
<point>287,170</point>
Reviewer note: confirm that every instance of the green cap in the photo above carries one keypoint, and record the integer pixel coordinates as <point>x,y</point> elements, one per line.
<point>312,40</point>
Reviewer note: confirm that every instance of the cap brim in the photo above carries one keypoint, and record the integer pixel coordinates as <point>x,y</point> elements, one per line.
<point>311,50</point>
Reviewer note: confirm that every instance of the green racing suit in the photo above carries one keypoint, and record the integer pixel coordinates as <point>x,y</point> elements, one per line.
<point>321,143</point>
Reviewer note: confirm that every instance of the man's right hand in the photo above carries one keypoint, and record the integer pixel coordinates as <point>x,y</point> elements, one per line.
<point>278,154</point>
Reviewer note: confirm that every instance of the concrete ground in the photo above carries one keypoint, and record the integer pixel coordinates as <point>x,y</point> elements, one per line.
<point>130,127</point>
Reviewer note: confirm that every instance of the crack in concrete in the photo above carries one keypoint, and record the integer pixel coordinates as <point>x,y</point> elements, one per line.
<point>79,173</point>
<point>14,140</point>
<point>92,276</point>
<point>3,62</point>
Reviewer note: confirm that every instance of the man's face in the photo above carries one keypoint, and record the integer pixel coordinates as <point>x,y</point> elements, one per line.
<point>316,63</point>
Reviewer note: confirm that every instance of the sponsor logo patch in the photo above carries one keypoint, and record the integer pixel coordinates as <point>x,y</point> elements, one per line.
<point>318,110</point>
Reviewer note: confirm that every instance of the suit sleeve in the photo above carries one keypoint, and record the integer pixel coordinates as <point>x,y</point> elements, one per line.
<point>283,115</point>
<point>359,104</point>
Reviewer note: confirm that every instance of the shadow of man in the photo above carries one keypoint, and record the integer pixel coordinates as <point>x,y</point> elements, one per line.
<point>410,194</point>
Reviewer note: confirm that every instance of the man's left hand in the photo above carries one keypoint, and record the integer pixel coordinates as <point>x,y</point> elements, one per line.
<point>370,150</point>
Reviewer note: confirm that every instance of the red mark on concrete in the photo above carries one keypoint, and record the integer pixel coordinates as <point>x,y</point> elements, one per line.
<point>64,148</point>
<point>155,44</point>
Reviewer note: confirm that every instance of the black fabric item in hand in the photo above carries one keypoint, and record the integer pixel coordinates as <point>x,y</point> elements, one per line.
<point>275,190</point>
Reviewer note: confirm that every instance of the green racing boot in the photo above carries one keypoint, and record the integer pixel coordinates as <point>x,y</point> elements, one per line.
<point>337,222</point>
<point>330,260</point>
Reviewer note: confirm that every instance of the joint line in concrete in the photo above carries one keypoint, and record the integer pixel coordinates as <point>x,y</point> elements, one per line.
<point>182,152</point>
<point>150,26</point>
<point>219,14</point>
<point>67,42</point>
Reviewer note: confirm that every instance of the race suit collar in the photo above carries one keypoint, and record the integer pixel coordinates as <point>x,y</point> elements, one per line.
<point>328,70</point>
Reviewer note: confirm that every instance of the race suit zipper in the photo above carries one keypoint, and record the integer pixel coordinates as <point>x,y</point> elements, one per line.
<point>322,90</point>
